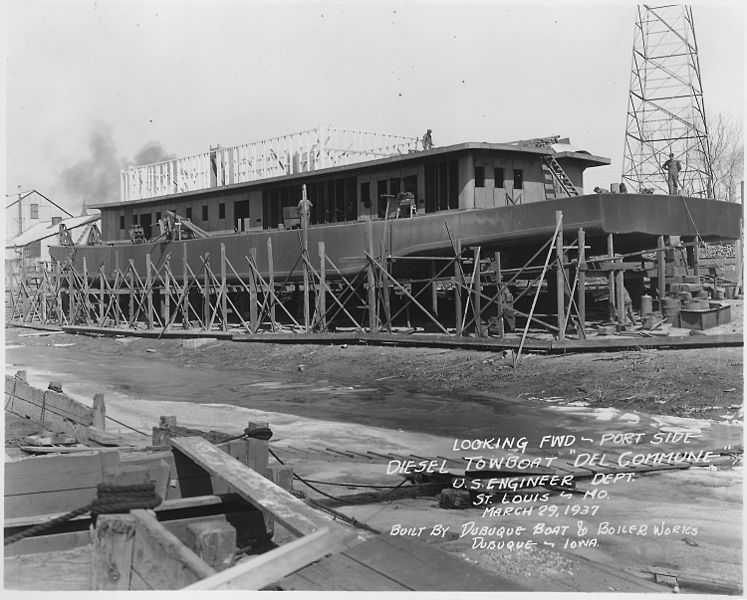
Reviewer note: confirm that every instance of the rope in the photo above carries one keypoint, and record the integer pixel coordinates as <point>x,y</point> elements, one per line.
<point>12,394</point>
<point>110,499</point>
<point>307,483</point>
<point>46,526</point>
<point>64,416</point>
<point>123,498</point>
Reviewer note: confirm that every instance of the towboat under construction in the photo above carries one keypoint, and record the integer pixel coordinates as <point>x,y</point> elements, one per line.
<point>330,228</point>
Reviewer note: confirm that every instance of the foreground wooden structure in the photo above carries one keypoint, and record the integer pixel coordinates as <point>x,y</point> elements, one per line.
<point>217,527</point>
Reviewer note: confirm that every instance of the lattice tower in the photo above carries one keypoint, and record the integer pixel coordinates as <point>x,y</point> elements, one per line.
<point>666,112</point>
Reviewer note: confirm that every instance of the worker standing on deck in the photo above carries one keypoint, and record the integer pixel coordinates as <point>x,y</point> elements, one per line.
<point>672,168</point>
<point>427,140</point>
<point>304,208</point>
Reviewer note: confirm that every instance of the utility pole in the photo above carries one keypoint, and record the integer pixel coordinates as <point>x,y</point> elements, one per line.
<point>20,211</point>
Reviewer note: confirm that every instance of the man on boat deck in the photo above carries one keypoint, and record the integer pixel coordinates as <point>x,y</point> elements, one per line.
<point>304,208</point>
<point>427,140</point>
<point>673,168</point>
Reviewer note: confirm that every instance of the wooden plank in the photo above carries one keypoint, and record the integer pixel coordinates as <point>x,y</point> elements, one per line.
<point>422,567</point>
<point>160,559</point>
<point>249,526</point>
<point>27,401</point>
<point>62,571</point>
<point>272,566</point>
<point>113,543</point>
<point>50,473</point>
<point>55,542</point>
<point>623,343</point>
<point>291,512</point>
<point>340,572</point>
<point>51,484</point>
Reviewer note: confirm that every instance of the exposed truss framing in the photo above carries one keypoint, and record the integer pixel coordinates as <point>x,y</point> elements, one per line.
<point>666,112</point>
<point>299,152</point>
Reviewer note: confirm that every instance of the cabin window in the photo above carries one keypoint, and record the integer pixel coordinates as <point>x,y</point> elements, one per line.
<point>441,186</point>
<point>351,200</point>
<point>479,176</point>
<point>518,179</point>
<point>366,194</point>
<point>411,185</point>
<point>498,177</point>
<point>34,211</point>
<point>222,211</point>
<point>188,212</point>
<point>381,190</point>
<point>158,215</point>
<point>146,225</point>
<point>134,219</point>
<point>121,221</point>
<point>205,213</point>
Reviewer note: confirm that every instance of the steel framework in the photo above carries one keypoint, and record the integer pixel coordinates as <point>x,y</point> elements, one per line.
<point>666,112</point>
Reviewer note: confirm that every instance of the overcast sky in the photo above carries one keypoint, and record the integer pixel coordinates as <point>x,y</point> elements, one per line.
<point>90,84</point>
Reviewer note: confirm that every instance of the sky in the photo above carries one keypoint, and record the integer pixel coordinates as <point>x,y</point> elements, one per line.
<point>92,86</point>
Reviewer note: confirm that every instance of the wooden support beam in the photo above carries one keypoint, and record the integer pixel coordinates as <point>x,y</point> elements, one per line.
<point>272,566</point>
<point>167,290</point>
<point>696,258</point>
<point>149,290</point>
<point>499,295</point>
<point>322,305</point>
<point>289,511</point>
<point>407,294</point>
<point>434,289</point>
<point>271,282</point>
<point>477,289</point>
<point>206,293</point>
<point>371,275</point>
<point>611,278</point>
<point>214,541</point>
<point>581,299</point>
<point>458,277</point>
<point>99,412</point>
<point>185,290</point>
<point>102,287</point>
<point>620,299</point>
<point>159,560</point>
<point>113,544</point>
<point>385,288</point>
<point>223,289</point>
<point>660,270</point>
<point>253,317</point>
<point>559,279</point>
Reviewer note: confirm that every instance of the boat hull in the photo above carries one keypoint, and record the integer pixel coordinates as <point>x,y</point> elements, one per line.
<point>517,231</point>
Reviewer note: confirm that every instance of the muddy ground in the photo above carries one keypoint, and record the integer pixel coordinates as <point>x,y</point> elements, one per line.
<point>418,401</point>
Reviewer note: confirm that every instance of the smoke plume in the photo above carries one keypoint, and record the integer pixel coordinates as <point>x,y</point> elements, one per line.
<point>152,152</point>
<point>95,178</point>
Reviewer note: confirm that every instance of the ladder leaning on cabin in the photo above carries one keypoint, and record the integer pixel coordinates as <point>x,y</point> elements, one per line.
<point>560,175</point>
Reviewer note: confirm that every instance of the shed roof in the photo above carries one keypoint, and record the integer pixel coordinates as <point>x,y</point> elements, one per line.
<point>45,229</point>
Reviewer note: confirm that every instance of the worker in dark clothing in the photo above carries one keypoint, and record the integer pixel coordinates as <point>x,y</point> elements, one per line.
<point>304,208</point>
<point>427,140</point>
<point>672,168</point>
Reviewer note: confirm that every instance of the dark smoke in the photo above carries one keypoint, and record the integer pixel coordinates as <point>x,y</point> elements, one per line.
<point>152,152</point>
<point>95,179</point>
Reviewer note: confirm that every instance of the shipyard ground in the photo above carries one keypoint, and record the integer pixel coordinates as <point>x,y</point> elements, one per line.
<point>418,401</point>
